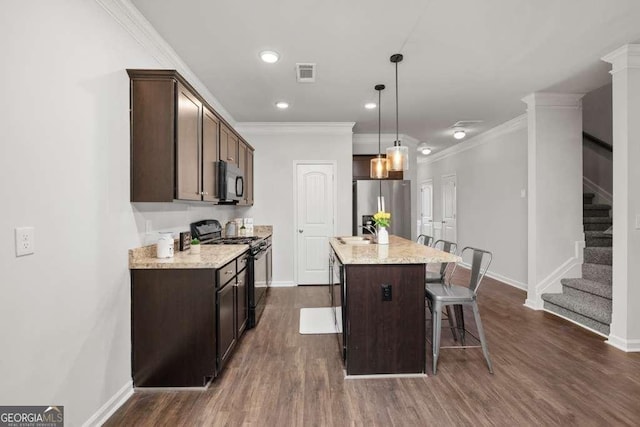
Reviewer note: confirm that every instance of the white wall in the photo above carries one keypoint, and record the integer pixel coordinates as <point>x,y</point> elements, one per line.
<point>491,171</point>
<point>277,146</point>
<point>64,169</point>
<point>597,162</point>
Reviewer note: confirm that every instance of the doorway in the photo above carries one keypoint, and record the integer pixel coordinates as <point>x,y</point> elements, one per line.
<point>449,222</point>
<point>315,212</point>
<point>426,208</point>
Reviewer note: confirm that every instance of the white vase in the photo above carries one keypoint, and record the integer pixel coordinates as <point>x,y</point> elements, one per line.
<point>383,236</point>
<point>195,249</point>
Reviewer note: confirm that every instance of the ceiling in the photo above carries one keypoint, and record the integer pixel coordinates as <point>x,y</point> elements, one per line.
<point>463,59</point>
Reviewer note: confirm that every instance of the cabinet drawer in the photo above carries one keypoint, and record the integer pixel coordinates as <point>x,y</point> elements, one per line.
<point>226,273</point>
<point>242,262</point>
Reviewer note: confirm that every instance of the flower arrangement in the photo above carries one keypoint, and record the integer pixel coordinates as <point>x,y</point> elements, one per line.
<point>382,219</point>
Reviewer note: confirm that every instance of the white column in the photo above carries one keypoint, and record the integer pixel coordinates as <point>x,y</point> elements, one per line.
<point>555,235</point>
<point>625,322</point>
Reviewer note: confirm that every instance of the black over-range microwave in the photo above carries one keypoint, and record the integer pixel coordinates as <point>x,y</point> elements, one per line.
<point>230,182</point>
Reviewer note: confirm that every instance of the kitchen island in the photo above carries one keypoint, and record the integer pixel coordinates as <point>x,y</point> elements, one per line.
<point>381,295</point>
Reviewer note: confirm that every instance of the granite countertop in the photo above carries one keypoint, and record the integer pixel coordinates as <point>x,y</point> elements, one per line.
<point>398,251</point>
<point>210,256</point>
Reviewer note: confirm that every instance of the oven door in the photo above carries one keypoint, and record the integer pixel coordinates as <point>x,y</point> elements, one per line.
<point>259,286</point>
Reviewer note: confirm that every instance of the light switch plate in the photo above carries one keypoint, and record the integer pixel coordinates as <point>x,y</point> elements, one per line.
<point>25,243</point>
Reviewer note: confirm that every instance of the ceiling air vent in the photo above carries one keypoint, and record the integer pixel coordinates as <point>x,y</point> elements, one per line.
<point>306,72</point>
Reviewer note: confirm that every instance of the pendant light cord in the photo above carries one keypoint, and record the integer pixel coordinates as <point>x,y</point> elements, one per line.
<point>396,142</point>
<point>379,118</point>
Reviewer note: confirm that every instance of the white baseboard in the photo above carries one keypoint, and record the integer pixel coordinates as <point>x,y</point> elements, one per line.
<point>533,304</point>
<point>112,405</point>
<point>628,346</point>
<point>575,323</point>
<point>499,277</point>
<point>508,281</point>
<point>283,284</point>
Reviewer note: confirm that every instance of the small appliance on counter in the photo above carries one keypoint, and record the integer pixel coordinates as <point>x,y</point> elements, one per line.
<point>231,229</point>
<point>164,248</point>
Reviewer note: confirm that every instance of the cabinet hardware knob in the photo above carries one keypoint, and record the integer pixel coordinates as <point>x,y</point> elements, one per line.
<point>229,272</point>
<point>300,230</point>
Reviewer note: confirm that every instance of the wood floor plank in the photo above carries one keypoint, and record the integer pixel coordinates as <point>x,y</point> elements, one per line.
<point>547,372</point>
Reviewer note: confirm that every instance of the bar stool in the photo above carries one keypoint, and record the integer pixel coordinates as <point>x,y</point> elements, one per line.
<point>438,277</point>
<point>423,239</point>
<point>445,294</point>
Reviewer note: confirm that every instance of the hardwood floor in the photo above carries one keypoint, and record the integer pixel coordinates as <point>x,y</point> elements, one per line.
<point>547,372</point>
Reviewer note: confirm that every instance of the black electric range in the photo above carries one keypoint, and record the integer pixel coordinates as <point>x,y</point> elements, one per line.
<point>209,232</point>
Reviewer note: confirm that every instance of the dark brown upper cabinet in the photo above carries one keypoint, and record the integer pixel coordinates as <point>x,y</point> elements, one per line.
<point>176,140</point>
<point>362,166</point>
<point>229,143</point>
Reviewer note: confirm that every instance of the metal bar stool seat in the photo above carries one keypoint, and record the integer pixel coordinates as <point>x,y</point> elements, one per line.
<point>441,295</point>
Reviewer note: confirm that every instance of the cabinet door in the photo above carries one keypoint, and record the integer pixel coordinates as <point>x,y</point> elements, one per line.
<point>210,148</point>
<point>228,145</point>
<point>242,302</point>
<point>188,146</point>
<point>224,142</point>
<point>226,322</point>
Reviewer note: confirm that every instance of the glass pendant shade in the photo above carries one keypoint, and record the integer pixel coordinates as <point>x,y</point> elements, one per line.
<point>398,158</point>
<point>379,169</point>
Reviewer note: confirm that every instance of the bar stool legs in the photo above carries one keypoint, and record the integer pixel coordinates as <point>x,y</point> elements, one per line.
<point>436,325</point>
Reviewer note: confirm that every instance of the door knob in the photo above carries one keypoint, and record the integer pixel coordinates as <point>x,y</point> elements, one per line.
<point>300,230</point>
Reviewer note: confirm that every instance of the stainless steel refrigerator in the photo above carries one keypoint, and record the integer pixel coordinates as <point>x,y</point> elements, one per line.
<point>397,200</point>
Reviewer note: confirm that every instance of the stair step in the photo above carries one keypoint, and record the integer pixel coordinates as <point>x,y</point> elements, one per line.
<point>587,305</point>
<point>587,198</point>
<point>597,272</point>
<point>597,220</point>
<point>597,238</point>
<point>596,226</point>
<point>571,286</point>
<point>603,328</point>
<point>595,210</point>
<point>595,255</point>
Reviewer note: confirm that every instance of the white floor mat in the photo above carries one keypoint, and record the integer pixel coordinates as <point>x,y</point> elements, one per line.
<point>320,320</point>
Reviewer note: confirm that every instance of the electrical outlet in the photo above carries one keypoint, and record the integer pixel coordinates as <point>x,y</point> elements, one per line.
<point>25,243</point>
<point>386,293</point>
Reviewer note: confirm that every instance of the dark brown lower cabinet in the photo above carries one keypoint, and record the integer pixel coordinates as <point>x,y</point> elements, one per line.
<point>185,323</point>
<point>384,315</point>
<point>173,327</point>
<point>226,321</point>
<point>242,302</point>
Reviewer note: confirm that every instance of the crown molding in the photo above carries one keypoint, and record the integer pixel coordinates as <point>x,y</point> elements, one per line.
<point>141,30</point>
<point>553,100</point>
<point>386,139</point>
<point>272,128</point>
<point>627,56</point>
<point>512,125</point>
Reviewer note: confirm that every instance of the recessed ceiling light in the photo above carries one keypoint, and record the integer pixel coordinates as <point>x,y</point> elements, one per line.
<point>422,148</point>
<point>269,56</point>
<point>459,133</point>
<point>370,105</point>
<point>282,105</point>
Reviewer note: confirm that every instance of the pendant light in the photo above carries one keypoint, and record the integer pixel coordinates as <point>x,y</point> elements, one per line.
<point>397,156</point>
<point>379,169</point>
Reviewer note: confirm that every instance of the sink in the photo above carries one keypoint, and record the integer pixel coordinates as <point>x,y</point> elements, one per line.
<point>354,240</point>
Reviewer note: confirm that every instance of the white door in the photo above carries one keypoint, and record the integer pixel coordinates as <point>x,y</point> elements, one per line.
<point>426,208</point>
<point>449,208</point>
<point>315,211</point>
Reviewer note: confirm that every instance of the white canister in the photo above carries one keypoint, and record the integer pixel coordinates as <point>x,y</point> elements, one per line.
<point>164,248</point>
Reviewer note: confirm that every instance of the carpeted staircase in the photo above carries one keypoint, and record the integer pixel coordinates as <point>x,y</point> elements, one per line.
<point>587,301</point>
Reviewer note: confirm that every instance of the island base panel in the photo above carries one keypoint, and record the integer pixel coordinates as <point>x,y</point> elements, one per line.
<point>385,336</point>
